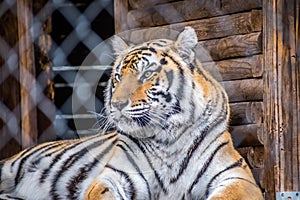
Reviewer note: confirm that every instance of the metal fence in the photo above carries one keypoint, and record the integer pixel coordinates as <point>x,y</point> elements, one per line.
<point>42,46</point>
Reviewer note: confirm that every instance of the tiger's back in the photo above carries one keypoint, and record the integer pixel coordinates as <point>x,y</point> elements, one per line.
<point>171,139</point>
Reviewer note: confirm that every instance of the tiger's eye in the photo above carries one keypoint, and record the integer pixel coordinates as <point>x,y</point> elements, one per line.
<point>147,74</point>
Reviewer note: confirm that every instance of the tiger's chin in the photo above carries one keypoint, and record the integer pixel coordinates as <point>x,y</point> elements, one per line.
<point>133,128</point>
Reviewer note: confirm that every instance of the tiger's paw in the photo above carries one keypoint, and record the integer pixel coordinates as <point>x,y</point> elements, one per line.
<point>99,191</point>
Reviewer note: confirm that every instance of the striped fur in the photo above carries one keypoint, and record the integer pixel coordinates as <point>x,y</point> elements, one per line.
<point>170,142</point>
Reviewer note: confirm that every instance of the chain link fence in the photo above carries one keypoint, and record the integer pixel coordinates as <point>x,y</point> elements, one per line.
<point>43,43</point>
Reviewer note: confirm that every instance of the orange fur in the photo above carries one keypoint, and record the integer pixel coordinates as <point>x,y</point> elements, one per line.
<point>98,191</point>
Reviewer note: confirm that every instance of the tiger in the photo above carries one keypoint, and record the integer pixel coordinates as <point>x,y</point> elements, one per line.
<point>170,139</point>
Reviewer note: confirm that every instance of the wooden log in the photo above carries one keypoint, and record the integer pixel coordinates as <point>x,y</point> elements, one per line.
<point>120,15</point>
<point>173,12</point>
<point>256,20</point>
<point>240,5</point>
<point>246,113</point>
<point>246,135</point>
<point>222,26</point>
<point>244,90</point>
<point>149,3</point>
<point>229,47</point>
<point>186,11</point>
<point>239,68</point>
<point>253,155</point>
<point>27,74</point>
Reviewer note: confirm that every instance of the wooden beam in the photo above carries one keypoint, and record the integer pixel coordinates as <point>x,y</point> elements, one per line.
<point>230,47</point>
<point>142,3</point>
<point>237,68</point>
<point>223,26</point>
<point>187,10</point>
<point>246,113</point>
<point>27,74</point>
<point>244,90</point>
<point>281,96</point>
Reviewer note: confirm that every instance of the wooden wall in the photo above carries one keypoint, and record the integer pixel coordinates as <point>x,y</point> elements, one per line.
<point>231,33</point>
<point>255,46</point>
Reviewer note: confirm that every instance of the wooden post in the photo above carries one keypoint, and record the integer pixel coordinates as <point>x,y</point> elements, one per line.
<point>121,10</point>
<point>10,142</point>
<point>27,74</point>
<point>281,96</point>
<point>45,114</point>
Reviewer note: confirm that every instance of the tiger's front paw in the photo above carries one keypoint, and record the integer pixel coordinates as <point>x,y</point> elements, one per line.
<point>99,191</point>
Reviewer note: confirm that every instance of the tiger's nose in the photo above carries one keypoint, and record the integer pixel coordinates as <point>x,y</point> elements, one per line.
<point>119,103</point>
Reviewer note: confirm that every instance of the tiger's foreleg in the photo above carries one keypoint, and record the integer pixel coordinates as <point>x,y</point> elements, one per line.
<point>108,186</point>
<point>240,189</point>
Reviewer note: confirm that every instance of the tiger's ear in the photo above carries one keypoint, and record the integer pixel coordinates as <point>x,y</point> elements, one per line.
<point>185,43</point>
<point>119,46</point>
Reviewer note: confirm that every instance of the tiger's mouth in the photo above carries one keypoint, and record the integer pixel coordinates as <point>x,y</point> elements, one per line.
<point>132,118</point>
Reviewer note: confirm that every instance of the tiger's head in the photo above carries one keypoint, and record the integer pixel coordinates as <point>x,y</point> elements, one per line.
<point>152,88</point>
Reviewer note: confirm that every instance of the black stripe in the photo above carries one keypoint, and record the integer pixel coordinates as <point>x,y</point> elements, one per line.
<point>12,197</point>
<point>192,68</point>
<point>132,192</point>
<point>192,108</point>
<point>46,172</point>
<point>40,156</point>
<point>21,154</point>
<point>189,155</point>
<point>158,44</point>
<point>164,54</point>
<point>206,165</point>
<point>170,77</point>
<point>242,179</point>
<point>21,166</point>
<point>152,50</point>
<point>1,166</point>
<point>199,140</point>
<point>132,161</point>
<point>140,146</point>
<point>83,171</point>
<point>234,165</point>
<point>70,162</point>
<point>180,90</point>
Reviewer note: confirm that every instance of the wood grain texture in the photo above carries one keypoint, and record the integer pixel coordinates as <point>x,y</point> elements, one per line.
<point>181,11</point>
<point>238,68</point>
<point>223,26</point>
<point>120,15</point>
<point>246,113</point>
<point>27,74</point>
<point>244,90</point>
<point>230,47</point>
<point>149,3</point>
<point>281,96</point>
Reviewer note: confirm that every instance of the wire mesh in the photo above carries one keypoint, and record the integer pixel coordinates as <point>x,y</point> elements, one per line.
<point>63,33</point>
